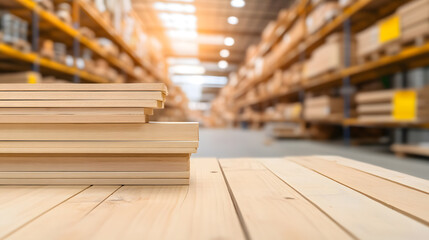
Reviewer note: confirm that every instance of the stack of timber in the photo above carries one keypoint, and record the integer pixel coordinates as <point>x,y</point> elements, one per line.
<point>415,22</point>
<point>91,134</point>
<point>323,108</point>
<point>287,130</point>
<point>393,106</point>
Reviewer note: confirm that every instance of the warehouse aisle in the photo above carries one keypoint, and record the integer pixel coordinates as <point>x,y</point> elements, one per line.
<point>234,143</point>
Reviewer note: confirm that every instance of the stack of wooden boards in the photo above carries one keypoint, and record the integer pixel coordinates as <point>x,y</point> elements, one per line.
<point>393,106</point>
<point>323,108</point>
<point>90,134</point>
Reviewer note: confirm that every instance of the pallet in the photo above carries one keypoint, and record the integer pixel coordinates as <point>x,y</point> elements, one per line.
<point>403,150</point>
<point>389,49</point>
<point>276,198</point>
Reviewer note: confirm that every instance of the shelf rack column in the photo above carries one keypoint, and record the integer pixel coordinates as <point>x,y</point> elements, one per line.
<point>346,88</point>
<point>35,39</point>
<point>76,40</point>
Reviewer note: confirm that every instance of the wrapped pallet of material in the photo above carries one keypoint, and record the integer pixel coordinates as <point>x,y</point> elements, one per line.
<point>409,105</point>
<point>367,41</point>
<point>21,77</point>
<point>323,108</point>
<point>327,58</point>
<point>275,84</point>
<point>414,21</point>
<point>323,14</point>
<point>381,38</point>
<point>289,40</point>
<point>290,111</point>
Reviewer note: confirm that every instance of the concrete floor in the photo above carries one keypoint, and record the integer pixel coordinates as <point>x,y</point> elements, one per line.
<point>232,143</point>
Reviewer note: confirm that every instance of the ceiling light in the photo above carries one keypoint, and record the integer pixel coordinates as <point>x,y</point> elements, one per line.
<point>224,53</point>
<point>187,69</point>
<point>229,41</point>
<point>174,7</point>
<point>238,3</point>
<point>233,20</point>
<point>222,64</point>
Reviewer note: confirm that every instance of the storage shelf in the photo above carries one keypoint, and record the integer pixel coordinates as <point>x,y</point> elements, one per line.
<point>48,64</point>
<point>54,21</point>
<point>315,40</point>
<point>112,35</point>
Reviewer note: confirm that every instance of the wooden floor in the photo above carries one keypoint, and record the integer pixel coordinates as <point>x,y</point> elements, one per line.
<point>291,198</point>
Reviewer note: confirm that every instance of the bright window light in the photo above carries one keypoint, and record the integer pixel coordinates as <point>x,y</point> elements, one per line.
<point>187,69</point>
<point>224,53</point>
<point>178,20</point>
<point>183,61</point>
<point>184,48</point>
<point>182,34</point>
<point>233,20</point>
<point>174,7</point>
<point>222,64</point>
<point>211,39</point>
<point>238,3</point>
<point>229,41</point>
<point>199,80</point>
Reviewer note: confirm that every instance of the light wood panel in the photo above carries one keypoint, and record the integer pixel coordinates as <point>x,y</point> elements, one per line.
<point>99,144</point>
<point>360,215</point>
<point>103,132</point>
<point>21,205</point>
<point>84,104</point>
<point>203,210</point>
<point>59,219</point>
<point>273,210</point>
<point>113,150</point>
<point>74,119</point>
<point>94,163</point>
<point>409,201</point>
<point>82,95</point>
<point>401,178</point>
<point>74,111</point>
<point>85,87</point>
<point>93,181</point>
<point>93,175</point>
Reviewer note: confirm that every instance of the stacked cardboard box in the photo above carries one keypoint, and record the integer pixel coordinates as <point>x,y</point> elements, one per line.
<point>323,108</point>
<point>393,105</point>
<point>414,21</point>
<point>90,134</point>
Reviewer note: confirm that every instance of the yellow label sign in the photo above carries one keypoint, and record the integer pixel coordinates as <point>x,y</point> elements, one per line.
<point>390,29</point>
<point>32,78</point>
<point>404,105</point>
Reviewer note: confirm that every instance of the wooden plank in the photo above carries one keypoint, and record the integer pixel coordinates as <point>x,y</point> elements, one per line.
<point>93,175</point>
<point>82,96</point>
<point>202,210</point>
<point>93,163</point>
<point>59,219</point>
<point>75,111</point>
<point>84,87</point>
<point>273,210</point>
<point>401,178</point>
<point>375,108</point>
<point>93,181</point>
<point>85,150</point>
<point>74,119</point>
<point>84,104</point>
<point>93,132</point>
<point>408,201</point>
<point>375,96</point>
<point>360,215</point>
<point>99,144</point>
<point>21,205</point>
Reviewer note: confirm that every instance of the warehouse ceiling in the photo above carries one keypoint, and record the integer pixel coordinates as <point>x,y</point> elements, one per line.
<point>204,40</point>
